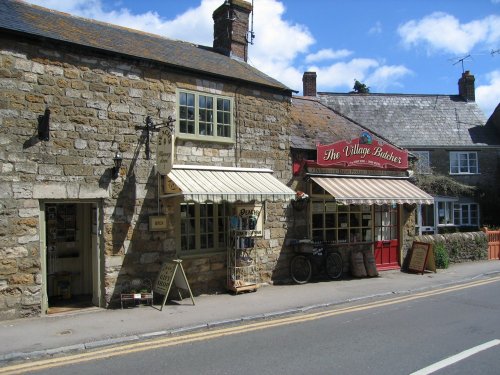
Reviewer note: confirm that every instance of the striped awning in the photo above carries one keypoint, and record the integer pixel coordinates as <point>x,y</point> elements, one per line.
<point>373,190</point>
<point>217,184</point>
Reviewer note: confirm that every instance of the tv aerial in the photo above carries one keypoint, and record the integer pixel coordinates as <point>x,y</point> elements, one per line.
<point>461,60</point>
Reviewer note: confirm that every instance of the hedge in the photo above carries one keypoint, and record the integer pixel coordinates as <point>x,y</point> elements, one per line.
<point>461,247</point>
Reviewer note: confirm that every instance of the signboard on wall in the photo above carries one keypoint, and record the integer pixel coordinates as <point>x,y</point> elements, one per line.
<point>248,218</point>
<point>158,223</point>
<point>165,151</point>
<point>363,152</point>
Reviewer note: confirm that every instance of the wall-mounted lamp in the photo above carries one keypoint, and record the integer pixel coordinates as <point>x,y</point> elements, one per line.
<point>44,126</point>
<point>117,160</point>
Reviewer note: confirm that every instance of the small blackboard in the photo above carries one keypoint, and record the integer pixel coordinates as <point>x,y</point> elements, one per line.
<point>171,272</point>
<point>422,258</point>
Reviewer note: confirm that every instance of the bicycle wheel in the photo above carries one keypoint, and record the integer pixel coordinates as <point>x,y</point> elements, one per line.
<point>334,265</point>
<point>300,269</point>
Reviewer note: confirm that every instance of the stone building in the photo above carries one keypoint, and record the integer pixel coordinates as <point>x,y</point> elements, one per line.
<point>458,152</point>
<point>84,209</point>
<point>359,195</point>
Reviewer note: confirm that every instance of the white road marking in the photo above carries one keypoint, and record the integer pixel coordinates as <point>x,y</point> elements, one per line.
<point>455,358</point>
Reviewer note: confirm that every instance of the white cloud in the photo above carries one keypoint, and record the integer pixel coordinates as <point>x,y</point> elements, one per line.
<point>327,54</point>
<point>387,76</point>
<point>277,44</point>
<point>488,96</point>
<point>342,74</point>
<point>377,28</point>
<point>443,32</point>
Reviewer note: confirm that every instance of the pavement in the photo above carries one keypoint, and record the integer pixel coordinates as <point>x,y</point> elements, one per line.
<point>94,327</point>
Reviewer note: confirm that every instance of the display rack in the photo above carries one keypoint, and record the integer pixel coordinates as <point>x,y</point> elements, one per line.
<point>241,268</point>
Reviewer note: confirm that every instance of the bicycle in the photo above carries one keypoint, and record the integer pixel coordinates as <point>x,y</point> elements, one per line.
<point>315,257</point>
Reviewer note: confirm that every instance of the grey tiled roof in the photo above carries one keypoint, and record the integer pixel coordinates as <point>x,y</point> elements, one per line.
<point>312,123</point>
<point>39,22</point>
<point>416,120</point>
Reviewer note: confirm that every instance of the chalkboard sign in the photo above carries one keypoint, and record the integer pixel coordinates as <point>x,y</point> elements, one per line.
<point>422,258</point>
<point>172,272</point>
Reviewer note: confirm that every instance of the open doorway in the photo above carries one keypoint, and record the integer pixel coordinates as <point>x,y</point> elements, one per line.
<point>71,256</point>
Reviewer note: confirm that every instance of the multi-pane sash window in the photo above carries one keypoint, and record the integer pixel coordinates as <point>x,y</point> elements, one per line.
<point>466,214</point>
<point>423,165</point>
<point>203,227</point>
<point>205,117</point>
<point>463,162</point>
<point>445,213</point>
<point>337,223</point>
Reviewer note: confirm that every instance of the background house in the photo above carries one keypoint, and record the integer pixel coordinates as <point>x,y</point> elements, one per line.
<point>458,153</point>
<point>76,96</point>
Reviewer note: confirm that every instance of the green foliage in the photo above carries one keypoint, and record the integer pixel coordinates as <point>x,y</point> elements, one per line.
<point>443,185</point>
<point>360,88</point>
<point>441,256</point>
<point>460,247</point>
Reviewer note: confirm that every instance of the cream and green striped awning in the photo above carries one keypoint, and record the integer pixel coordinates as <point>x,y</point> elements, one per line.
<point>217,184</point>
<point>373,190</point>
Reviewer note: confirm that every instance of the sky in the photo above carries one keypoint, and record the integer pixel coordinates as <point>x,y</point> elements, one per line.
<point>392,46</point>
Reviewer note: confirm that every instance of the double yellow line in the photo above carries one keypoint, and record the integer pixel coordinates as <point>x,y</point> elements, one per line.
<point>206,335</point>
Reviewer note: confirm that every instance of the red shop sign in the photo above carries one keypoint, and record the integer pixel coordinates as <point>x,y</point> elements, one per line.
<point>362,152</point>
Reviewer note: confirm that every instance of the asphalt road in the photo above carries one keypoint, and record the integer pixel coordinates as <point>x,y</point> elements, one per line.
<point>454,331</point>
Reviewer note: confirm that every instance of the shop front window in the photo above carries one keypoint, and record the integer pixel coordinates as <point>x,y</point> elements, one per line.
<point>336,223</point>
<point>203,227</point>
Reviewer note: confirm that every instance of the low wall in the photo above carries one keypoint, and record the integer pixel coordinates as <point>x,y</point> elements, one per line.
<point>461,247</point>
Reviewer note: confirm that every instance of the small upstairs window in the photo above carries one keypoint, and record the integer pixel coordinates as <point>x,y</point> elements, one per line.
<point>423,164</point>
<point>205,117</point>
<point>463,162</point>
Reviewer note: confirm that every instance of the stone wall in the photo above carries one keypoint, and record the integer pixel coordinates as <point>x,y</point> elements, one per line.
<point>96,103</point>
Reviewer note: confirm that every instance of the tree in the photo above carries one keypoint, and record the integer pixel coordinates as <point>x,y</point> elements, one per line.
<point>360,88</point>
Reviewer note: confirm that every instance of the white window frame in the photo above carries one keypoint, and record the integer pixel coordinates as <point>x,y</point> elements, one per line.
<point>425,229</point>
<point>196,119</point>
<point>448,211</point>
<point>458,215</point>
<point>423,165</point>
<point>464,162</point>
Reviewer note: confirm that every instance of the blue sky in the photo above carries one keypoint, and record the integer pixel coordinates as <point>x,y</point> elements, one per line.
<point>393,46</point>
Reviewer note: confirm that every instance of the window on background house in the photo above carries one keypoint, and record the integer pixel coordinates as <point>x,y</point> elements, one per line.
<point>463,162</point>
<point>466,214</point>
<point>425,219</point>
<point>203,227</point>
<point>423,165</point>
<point>204,116</point>
<point>445,213</point>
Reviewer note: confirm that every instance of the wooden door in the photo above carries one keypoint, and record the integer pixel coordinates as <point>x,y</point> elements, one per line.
<point>386,237</point>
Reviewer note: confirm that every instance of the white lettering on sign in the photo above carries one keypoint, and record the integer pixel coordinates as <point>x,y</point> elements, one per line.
<point>165,151</point>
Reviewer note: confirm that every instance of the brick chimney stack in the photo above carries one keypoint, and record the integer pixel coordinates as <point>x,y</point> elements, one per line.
<point>231,28</point>
<point>466,87</point>
<point>309,84</point>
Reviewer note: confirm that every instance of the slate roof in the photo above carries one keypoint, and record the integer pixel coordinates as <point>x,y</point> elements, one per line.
<point>16,16</point>
<point>312,123</point>
<point>416,121</point>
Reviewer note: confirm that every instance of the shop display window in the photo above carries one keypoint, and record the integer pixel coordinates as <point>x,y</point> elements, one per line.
<point>203,227</point>
<point>336,223</point>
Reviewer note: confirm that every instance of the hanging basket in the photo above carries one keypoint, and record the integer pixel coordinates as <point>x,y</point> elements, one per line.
<point>300,204</point>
